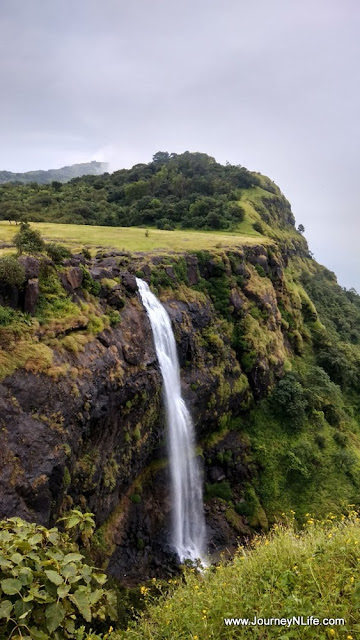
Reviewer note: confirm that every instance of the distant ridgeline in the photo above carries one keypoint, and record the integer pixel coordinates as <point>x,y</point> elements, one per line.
<point>61,175</point>
<point>190,190</point>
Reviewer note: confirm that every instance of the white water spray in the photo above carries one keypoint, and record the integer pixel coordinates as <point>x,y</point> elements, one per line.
<point>188,515</point>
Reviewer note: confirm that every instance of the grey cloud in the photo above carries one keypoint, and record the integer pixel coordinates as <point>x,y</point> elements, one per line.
<point>271,84</point>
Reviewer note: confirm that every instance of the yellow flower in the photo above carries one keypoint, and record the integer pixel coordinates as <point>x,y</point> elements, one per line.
<point>352,579</point>
<point>349,637</point>
<point>332,632</point>
<point>196,586</point>
<point>195,637</point>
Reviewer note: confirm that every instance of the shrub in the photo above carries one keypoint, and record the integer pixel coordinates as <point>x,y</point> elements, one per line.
<point>86,253</point>
<point>11,271</point>
<point>57,252</point>
<point>47,590</point>
<point>257,226</point>
<point>89,284</point>
<point>288,401</point>
<point>7,316</point>
<point>219,490</point>
<point>28,240</point>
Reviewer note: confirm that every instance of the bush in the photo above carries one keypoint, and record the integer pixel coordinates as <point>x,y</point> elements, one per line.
<point>219,490</point>
<point>288,401</point>
<point>28,240</point>
<point>11,271</point>
<point>57,252</point>
<point>88,283</point>
<point>47,590</point>
<point>257,226</point>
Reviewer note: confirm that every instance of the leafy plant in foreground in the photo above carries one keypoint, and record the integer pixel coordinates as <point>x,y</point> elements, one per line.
<point>46,589</point>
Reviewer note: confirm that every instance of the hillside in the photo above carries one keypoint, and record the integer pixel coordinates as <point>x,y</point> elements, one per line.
<point>183,191</point>
<point>313,573</point>
<point>59,175</point>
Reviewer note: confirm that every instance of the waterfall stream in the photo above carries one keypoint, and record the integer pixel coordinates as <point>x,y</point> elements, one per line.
<point>188,524</point>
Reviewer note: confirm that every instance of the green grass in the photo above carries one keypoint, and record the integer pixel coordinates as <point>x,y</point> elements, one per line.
<point>313,572</point>
<point>134,239</point>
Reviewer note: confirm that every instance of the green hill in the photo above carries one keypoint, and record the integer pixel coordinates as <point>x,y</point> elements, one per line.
<point>190,190</point>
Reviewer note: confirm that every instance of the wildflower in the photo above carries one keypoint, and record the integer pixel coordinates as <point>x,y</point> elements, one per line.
<point>332,632</point>
<point>349,637</point>
<point>196,587</point>
<point>352,579</point>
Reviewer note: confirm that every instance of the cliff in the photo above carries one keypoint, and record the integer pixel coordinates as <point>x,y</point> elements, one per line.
<point>269,380</point>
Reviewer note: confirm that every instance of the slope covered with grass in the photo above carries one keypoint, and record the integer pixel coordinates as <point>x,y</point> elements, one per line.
<point>288,573</point>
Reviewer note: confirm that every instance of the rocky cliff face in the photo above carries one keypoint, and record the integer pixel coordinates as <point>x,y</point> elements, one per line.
<point>87,427</point>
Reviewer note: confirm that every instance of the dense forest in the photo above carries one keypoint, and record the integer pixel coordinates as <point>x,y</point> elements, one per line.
<point>62,175</point>
<point>190,190</point>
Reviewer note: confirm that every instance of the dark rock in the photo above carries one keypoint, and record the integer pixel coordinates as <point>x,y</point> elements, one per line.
<point>192,270</point>
<point>98,273</point>
<point>216,474</point>
<point>170,272</point>
<point>80,258</point>
<point>12,297</point>
<point>236,301</point>
<point>31,266</point>
<point>129,282</point>
<point>31,295</point>
<point>109,263</point>
<point>116,300</point>
<point>75,277</point>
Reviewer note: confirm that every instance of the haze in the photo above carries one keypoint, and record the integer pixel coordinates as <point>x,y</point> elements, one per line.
<point>272,85</point>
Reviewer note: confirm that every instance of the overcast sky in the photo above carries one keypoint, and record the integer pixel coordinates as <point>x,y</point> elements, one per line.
<point>269,84</point>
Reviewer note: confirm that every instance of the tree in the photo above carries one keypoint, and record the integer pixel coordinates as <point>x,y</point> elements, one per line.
<point>28,240</point>
<point>288,401</point>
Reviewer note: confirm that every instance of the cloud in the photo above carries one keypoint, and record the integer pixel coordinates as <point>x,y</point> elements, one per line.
<point>268,84</point>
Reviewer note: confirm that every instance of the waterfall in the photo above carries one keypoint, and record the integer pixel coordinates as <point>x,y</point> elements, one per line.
<point>188,524</point>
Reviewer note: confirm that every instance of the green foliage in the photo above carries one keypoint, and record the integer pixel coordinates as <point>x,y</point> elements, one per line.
<point>288,573</point>
<point>79,524</point>
<point>28,240</point>
<point>190,190</point>
<point>47,590</point>
<point>7,316</point>
<point>57,252</point>
<point>288,401</point>
<point>219,490</point>
<point>88,283</point>
<point>11,271</point>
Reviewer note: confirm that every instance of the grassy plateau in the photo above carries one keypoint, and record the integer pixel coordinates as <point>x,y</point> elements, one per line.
<point>135,239</point>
